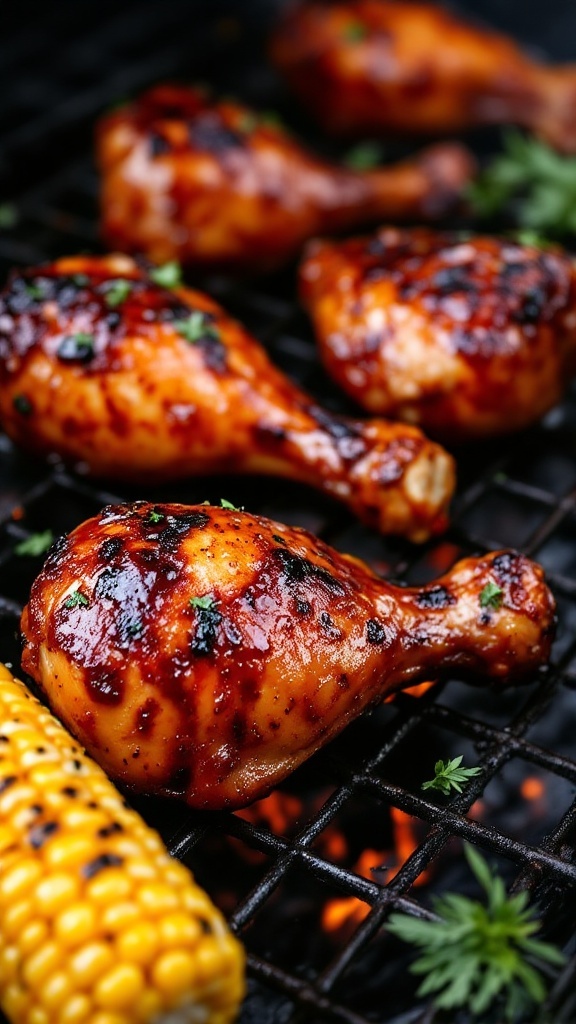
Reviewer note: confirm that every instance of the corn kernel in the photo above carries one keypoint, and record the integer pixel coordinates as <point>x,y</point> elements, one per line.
<point>179,930</point>
<point>55,893</point>
<point>70,852</point>
<point>15,1001</point>
<point>119,916</point>
<point>75,1011</point>
<point>41,964</point>
<point>55,990</point>
<point>76,924</point>
<point>174,972</point>
<point>118,989</point>
<point>147,1007</point>
<point>32,935</point>
<point>138,944</point>
<point>37,1015</point>
<point>15,917</point>
<point>110,886</point>
<point>90,962</point>
<point>9,964</point>
<point>157,898</point>
<point>109,1018</point>
<point>19,880</point>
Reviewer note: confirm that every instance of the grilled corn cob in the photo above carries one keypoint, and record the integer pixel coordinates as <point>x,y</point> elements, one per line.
<point>98,924</point>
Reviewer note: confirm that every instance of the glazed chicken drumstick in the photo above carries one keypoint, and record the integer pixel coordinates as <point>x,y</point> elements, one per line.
<point>125,378</point>
<point>215,184</point>
<point>204,653</point>
<point>467,337</point>
<point>379,66</point>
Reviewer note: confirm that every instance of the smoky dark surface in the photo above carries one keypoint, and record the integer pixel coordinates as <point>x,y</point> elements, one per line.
<point>283,866</point>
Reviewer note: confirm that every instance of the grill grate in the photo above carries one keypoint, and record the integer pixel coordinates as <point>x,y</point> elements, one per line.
<point>271,881</point>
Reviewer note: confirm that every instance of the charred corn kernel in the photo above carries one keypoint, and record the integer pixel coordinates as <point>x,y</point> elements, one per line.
<point>98,924</point>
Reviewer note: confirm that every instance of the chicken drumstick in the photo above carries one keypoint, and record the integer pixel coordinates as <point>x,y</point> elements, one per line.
<point>377,66</point>
<point>468,337</point>
<point>205,653</point>
<point>214,184</point>
<point>106,368</point>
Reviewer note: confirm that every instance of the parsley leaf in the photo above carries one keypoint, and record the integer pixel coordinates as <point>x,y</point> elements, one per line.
<point>76,600</point>
<point>169,275</point>
<point>117,292</point>
<point>448,775</point>
<point>35,544</point>
<point>538,181</point>
<point>491,596</point>
<point>155,517</point>
<point>228,504</point>
<point>355,31</point>
<point>197,326</point>
<point>478,954</point>
<point>364,157</point>
<point>205,604</point>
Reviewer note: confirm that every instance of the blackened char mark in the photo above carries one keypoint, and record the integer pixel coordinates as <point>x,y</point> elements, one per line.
<point>296,569</point>
<point>332,424</point>
<point>206,634</point>
<point>173,528</point>
<point>435,597</point>
<point>208,132</point>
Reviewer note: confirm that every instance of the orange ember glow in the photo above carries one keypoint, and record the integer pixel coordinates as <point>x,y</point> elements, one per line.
<point>414,691</point>
<point>532,788</point>
<point>278,810</point>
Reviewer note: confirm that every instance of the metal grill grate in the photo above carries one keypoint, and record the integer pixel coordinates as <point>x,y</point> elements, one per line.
<point>274,881</point>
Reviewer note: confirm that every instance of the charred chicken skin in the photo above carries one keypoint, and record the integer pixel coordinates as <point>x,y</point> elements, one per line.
<point>125,378</point>
<point>376,66</point>
<point>466,337</point>
<point>204,653</point>
<point>215,184</point>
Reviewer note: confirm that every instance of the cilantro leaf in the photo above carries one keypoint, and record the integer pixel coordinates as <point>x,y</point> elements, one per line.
<point>169,275</point>
<point>196,327</point>
<point>117,292</point>
<point>205,604</point>
<point>448,775</point>
<point>76,600</point>
<point>35,544</point>
<point>491,596</point>
<point>155,517</point>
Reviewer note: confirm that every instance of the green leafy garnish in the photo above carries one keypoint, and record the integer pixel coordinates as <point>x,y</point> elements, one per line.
<point>197,326</point>
<point>228,504</point>
<point>34,291</point>
<point>491,596</point>
<point>169,275</point>
<point>135,628</point>
<point>22,404</point>
<point>118,292</point>
<point>355,32</point>
<point>8,215</point>
<point>155,517</point>
<point>80,280</point>
<point>448,775</point>
<point>206,603</point>
<point>364,157</point>
<point>540,181</point>
<point>477,954</point>
<point>76,600</point>
<point>35,544</point>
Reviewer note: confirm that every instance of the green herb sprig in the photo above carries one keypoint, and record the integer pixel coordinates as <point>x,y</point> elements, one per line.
<point>169,275</point>
<point>365,156</point>
<point>478,954</point>
<point>538,181</point>
<point>117,292</point>
<point>76,600</point>
<point>448,775</point>
<point>491,596</point>
<point>197,326</point>
<point>205,604</point>
<point>35,544</point>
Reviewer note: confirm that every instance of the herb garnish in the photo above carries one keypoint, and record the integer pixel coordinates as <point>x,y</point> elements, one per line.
<point>8,215</point>
<point>118,292</point>
<point>478,954</point>
<point>77,347</point>
<point>540,182</point>
<point>80,280</point>
<point>205,604</point>
<point>491,596</point>
<point>155,517</point>
<point>448,775</point>
<point>355,31</point>
<point>364,157</point>
<point>196,327</point>
<point>135,628</point>
<point>35,544</point>
<point>22,404</point>
<point>169,275</point>
<point>34,291</point>
<point>76,600</point>
<point>229,505</point>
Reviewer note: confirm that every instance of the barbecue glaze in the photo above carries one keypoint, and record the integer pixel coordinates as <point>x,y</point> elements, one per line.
<point>375,67</point>
<point>204,652</point>
<point>124,378</point>
<point>467,337</point>
<point>216,184</point>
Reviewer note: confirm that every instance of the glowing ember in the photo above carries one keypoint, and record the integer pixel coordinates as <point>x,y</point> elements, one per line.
<point>278,811</point>
<point>532,788</point>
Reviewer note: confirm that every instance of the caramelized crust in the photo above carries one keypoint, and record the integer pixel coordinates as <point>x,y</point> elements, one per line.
<point>216,184</point>
<point>378,66</point>
<point>468,337</point>
<point>163,384</point>
<point>204,653</point>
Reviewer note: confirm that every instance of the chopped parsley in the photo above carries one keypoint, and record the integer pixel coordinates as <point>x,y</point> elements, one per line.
<point>491,596</point>
<point>80,280</point>
<point>365,156</point>
<point>155,517</point>
<point>35,544</point>
<point>77,347</point>
<point>135,628</point>
<point>34,291</point>
<point>76,600</point>
<point>117,292</point>
<point>205,604</point>
<point>169,275</point>
<point>196,327</point>
<point>449,775</point>
<point>228,504</point>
